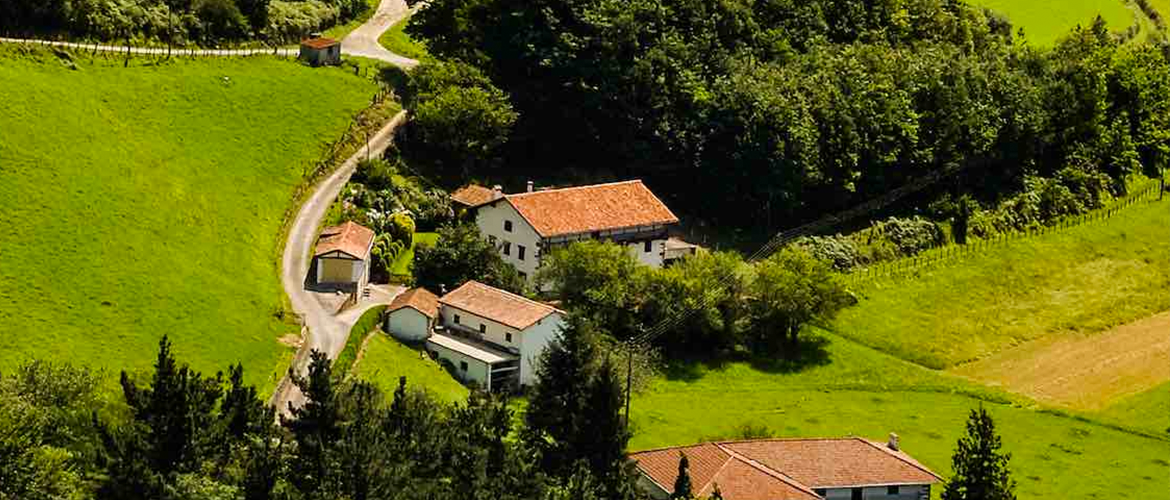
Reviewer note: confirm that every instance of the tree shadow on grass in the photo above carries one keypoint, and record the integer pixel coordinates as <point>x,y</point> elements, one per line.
<point>811,352</point>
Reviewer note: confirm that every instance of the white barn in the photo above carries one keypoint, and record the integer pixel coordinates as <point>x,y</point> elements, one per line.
<point>492,337</point>
<point>525,226</point>
<point>343,256</point>
<point>412,315</point>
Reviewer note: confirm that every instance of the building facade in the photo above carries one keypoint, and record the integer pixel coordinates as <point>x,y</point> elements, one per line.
<point>524,227</point>
<point>342,257</point>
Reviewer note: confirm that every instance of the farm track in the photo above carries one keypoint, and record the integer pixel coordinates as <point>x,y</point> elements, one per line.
<point>1084,372</point>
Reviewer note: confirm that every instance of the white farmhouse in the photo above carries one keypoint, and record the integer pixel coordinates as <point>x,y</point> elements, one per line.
<point>850,468</point>
<point>525,226</point>
<point>492,337</point>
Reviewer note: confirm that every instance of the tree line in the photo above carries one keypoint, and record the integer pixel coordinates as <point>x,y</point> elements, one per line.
<point>789,110</point>
<point>180,22</point>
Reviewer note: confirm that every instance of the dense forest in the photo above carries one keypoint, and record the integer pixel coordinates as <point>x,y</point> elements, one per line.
<point>749,112</point>
<point>181,22</point>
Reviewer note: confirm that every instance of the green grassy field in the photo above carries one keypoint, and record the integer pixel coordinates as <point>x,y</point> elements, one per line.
<point>402,263</point>
<point>1148,411</point>
<point>386,359</point>
<point>1044,21</point>
<point>147,200</point>
<point>1084,279</point>
<point>859,391</point>
<point>369,321</point>
<point>397,41</point>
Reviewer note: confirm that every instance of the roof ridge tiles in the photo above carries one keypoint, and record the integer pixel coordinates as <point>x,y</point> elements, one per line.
<point>570,188</point>
<point>900,456</point>
<point>768,470</point>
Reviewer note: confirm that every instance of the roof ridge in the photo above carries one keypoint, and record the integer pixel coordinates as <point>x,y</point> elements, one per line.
<point>507,293</point>
<point>911,462</point>
<point>570,188</point>
<point>730,457</point>
<point>665,448</point>
<point>785,439</point>
<point>769,471</point>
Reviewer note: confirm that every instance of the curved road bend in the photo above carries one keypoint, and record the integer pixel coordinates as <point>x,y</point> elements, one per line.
<point>326,332</point>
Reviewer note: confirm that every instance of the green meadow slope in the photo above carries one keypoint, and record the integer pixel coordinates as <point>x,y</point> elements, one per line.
<point>1044,21</point>
<point>147,200</point>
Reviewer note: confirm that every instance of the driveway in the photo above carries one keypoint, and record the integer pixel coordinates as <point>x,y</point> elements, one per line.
<point>363,41</point>
<point>327,332</point>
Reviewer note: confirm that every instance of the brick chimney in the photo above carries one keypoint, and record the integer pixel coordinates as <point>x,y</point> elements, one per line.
<point>497,192</point>
<point>893,444</point>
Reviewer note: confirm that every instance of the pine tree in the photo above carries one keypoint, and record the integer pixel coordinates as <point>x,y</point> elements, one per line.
<point>316,426</point>
<point>980,469</point>
<point>682,483</point>
<point>558,397</point>
<point>241,410</point>
<point>603,437</point>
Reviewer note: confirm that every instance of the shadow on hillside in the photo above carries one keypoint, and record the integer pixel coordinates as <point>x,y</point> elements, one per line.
<point>811,352</point>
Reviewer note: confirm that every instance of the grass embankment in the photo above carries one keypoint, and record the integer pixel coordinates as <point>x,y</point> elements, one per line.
<point>1149,411</point>
<point>397,41</point>
<point>854,390</point>
<point>368,322</point>
<point>402,263</point>
<point>147,200</point>
<point>1082,280</point>
<point>386,359</point>
<point>1045,21</point>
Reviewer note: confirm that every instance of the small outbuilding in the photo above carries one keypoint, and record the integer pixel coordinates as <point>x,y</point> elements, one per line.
<point>321,51</point>
<point>411,315</point>
<point>343,256</point>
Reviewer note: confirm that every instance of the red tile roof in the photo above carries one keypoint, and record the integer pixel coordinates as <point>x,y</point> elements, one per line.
<point>419,299</point>
<point>584,209</point>
<point>784,468</point>
<point>473,195</point>
<point>319,43</point>
<point>497,305</point>
<point>351,238</point>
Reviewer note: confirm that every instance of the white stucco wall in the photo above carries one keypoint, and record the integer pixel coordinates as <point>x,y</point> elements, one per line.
<point>494,332</point>
<point>408,324</point>
<point>490,219</point>
<point>912,492</point>
<point>654,257</point>
<point>534,340</point>
<point>477,371</point>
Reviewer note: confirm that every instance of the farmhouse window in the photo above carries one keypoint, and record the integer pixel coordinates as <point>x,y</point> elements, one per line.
<point>507,248</point>
<point>647,246</point>
<point>520,251</point>
<point>482,328</point>
<point>456,319</point>
<point>508,226</point>
<point>463,366</point>
<point>523,275</point>
<point>892,490</point>
<point>856,494</point>
<point>508,337</point>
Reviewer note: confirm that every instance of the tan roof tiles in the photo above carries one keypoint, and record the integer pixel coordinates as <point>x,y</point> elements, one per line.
<point>784,468</point>
<point>350,238</point>
<point>497,305</point>
<point>474,195</point>
<point>419,299</point>
<point>319,43</point>
<point>584,209</point>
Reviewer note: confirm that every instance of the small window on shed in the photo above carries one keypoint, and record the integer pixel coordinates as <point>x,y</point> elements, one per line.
<point>508,226</point>
<point>892,490</point>
<point>463,366</point>
<point>456,319</point>
<point>647,246</point>
<point>856,494</point>
<point>508,337</point>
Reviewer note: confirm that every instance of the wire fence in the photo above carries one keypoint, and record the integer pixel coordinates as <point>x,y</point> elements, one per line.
<point>153,49</point>
<point>947,253</point>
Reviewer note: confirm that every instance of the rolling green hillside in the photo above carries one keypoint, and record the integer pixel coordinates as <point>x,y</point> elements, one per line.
<point>1044,21</point>
<point>147,200</point>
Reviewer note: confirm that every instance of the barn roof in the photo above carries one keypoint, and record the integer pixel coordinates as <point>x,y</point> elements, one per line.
<point>473,195</point>
<point>350,238</point>
<point>784,468</point>
<point>497,305</point>
<point>583,209</point>
<point>319,43</point>
<point>419,299</point>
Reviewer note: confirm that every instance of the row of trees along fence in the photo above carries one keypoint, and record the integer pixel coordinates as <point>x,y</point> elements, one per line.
<point>1152,192</point>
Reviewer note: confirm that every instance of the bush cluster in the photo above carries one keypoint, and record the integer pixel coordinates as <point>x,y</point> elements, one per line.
<point>885,240</point>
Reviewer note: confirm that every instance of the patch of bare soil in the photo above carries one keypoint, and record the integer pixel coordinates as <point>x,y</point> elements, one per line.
<point>1086,372</point>
<point>292,340</point>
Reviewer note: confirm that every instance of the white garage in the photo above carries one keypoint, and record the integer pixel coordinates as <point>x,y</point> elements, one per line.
<point>343,256</point>
<point>411,315</point>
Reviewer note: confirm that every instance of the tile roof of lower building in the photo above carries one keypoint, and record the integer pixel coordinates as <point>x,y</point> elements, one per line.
<point>474,195</point>
<point>471,349</point>
<point>419,299</point>
<point>497,305</point>
<point>583,209</point>
<point>319,43</point>
<point>350,238</point>
<point>770,469</point>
